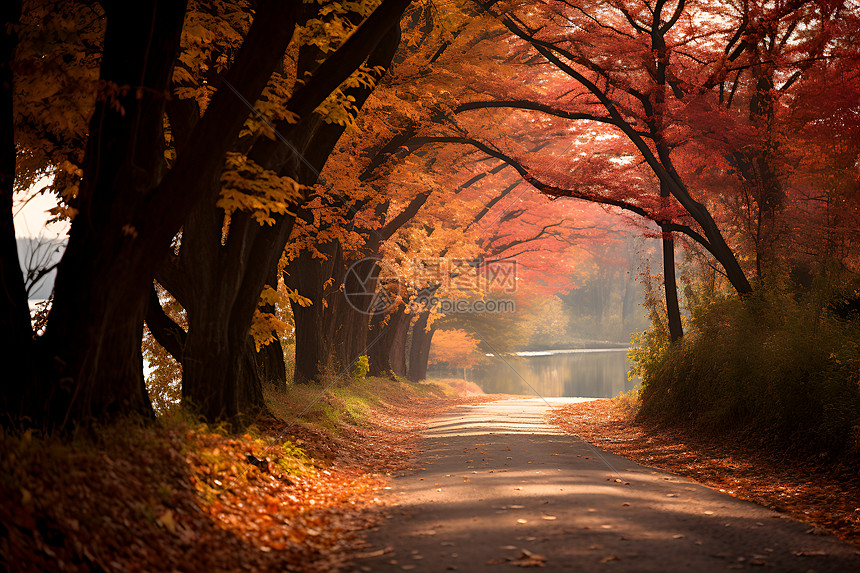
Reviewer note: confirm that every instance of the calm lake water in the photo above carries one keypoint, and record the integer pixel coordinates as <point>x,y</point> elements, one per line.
<point>588,373</point>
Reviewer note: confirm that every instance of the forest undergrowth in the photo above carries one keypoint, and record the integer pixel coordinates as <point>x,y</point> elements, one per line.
<point>779,368</point>
<point>188,496</point>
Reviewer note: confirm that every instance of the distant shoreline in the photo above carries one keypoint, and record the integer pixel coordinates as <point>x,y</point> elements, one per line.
<point>530,353</point>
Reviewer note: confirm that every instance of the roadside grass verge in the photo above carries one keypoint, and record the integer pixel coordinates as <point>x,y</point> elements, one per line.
<point>331,404</point>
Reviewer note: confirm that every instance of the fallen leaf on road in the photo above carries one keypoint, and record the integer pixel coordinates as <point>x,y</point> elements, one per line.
<point>166,520</point>
<point>376,553</point>
<point>810,553</point>
<point>609,558</point>
<point>529,559</point>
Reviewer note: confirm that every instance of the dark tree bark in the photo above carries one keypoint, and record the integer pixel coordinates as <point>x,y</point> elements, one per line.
<point>166,332</point>
<point>387,356</point>
<point>308,275</point>
<point>397,354</point>
<point>250,377</point>
<point>16,334</point>
<point>101,294</point>
<point>673,311</point>
<point>271,366</point>
<point>419,351</point>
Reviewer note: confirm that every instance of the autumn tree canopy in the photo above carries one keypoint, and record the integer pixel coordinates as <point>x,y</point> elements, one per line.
<point>232,170</point>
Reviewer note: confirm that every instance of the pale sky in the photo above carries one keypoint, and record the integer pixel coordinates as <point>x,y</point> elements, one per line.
<point>31,218</point>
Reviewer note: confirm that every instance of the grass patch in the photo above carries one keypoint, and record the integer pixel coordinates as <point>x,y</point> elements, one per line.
<point>330,405</point>
<point>628,403</point>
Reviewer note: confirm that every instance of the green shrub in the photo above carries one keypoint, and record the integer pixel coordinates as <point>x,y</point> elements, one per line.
<point>360,368</point>
<point>628,402</point>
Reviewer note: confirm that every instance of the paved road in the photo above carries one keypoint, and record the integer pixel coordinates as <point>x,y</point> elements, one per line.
<point>494,487</point>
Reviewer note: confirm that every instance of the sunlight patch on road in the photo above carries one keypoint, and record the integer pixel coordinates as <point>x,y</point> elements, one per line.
<point>520,416</point>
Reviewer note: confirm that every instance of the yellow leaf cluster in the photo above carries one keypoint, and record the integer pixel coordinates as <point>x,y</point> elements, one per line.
<point>333,26</point>
<point>247,186</point>
<point>340,108</point>
<point>212,33</point>
<point>265,326</point>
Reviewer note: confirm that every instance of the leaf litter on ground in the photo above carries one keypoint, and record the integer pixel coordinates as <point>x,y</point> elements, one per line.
<point>184,496</point>
<point>826,497</point>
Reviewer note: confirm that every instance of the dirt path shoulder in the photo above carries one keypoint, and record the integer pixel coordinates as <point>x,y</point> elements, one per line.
<point>826,498</point>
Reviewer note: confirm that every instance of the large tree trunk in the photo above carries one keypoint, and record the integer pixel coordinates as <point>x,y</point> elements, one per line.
<point>219,286</point>
<point>250,382</point>
<point>207,384</point>
<point>271,365</point>
<point>307,275</point>
<point>93,364</point>
<point>419,351</point>
<point>388,336</point>
<point>350,310</point>
<point>398,346</point>
<point>242,280</point>
<point>15,332</point>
